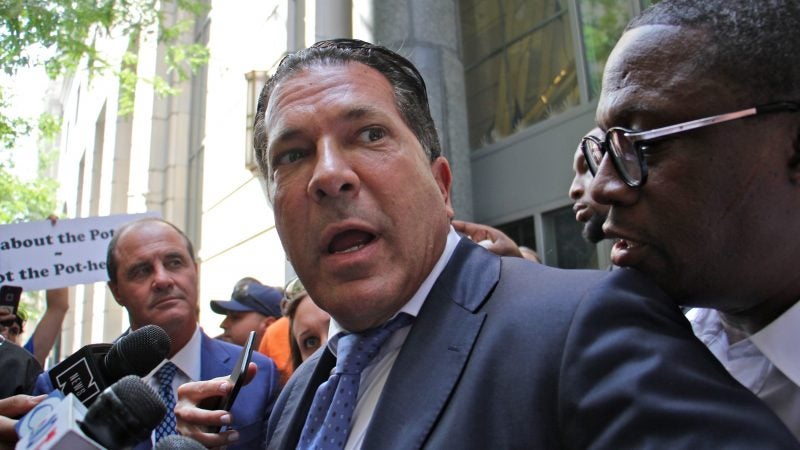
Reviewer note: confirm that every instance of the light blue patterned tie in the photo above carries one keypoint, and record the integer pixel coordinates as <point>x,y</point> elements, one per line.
<point>328,422</point>
<point>165,376</point>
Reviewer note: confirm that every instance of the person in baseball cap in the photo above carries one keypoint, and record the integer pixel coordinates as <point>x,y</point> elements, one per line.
<point>253,306</point>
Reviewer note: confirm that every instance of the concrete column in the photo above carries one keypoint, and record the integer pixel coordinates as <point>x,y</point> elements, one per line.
<point>333,19</point>
<point>427,33</point>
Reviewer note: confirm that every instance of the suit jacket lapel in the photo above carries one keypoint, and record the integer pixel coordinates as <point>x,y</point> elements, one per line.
<point>435,352</point>
<point>290,424</point>
<point>213,359</point>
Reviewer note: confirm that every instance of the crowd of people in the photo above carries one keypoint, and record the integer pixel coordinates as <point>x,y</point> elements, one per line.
<point>406,328</point>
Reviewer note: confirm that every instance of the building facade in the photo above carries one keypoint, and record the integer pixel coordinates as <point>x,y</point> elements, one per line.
<point>513,86</point>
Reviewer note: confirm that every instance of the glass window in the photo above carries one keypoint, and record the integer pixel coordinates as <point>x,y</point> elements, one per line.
<point>602,23</point>
<point>519,64</point>
<point>564,246</point>
<point>519,58</point>
<point>522,231</point>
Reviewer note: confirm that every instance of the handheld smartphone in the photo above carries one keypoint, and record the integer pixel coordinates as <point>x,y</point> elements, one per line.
<point>9,298</point>
<point>240,370</point>
<point>237,377</point>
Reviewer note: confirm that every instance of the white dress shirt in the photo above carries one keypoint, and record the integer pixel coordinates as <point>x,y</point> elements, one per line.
<point>767,363</point>
<point>374,376</point>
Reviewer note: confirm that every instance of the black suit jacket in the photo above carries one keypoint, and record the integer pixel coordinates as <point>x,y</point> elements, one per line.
<point>510,354</point>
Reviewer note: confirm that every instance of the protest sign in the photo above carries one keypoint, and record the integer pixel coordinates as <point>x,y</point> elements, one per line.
<point>40,255</point>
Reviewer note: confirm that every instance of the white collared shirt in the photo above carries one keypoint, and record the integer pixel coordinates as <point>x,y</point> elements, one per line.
<point>767,363</point>
<point>374,376</point>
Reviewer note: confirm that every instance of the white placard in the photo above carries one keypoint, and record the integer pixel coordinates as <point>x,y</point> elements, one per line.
<point>40,255</point>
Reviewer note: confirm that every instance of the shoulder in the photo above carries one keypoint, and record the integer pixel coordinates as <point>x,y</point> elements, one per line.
<point>20,370</point>
<point>632,365</point>
<point>531,289</point>
<point>232,350</point>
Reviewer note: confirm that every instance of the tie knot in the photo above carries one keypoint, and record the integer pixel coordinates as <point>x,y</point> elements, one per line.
<point>355,351</point>
<point>166,373</point>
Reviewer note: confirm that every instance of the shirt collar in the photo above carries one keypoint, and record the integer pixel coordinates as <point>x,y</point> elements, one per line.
<point>187,359</point>
<point>778,341</point>
<point>413,306</point>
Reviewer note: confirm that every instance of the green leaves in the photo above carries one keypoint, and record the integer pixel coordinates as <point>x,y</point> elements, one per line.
<point>65,35</point>
<point>25,200</point>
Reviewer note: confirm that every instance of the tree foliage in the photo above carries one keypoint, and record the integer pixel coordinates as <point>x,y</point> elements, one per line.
<point>25,200</point>
<point>63,36</point>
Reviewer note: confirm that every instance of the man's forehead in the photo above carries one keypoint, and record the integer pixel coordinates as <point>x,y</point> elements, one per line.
<point>317,79</point>
<point>347,91</point>
<point>144,238</point>
<point>653,71</point>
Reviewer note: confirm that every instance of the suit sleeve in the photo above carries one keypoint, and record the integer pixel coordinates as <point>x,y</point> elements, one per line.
<point>634,376</point>
<point>43,384</point>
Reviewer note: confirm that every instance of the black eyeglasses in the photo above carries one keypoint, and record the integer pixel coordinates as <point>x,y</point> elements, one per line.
<point>627,145</point>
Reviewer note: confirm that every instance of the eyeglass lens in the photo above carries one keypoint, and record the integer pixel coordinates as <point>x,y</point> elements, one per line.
<point>593,153</point>
<point>626,154</point>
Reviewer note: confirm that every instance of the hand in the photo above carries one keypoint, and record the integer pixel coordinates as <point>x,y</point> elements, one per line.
<point>7,316</point>
<point>195,422</point>
<point>57,299</point>
<point>15,406</point>
<point>490,238</point>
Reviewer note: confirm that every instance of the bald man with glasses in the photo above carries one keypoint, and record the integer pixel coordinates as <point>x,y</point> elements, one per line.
<point>700,165</point>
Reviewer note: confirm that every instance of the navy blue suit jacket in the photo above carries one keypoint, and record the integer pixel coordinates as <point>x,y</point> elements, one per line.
<point>510,354</point>
<point>255,400</point>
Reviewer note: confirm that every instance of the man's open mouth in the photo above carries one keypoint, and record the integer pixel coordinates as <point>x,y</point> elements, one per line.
<point>350,241</point>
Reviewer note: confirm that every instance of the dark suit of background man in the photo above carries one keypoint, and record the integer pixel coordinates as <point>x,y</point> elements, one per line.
<point>502,353</point>
<point>153,275</point>
<point>715,220</point>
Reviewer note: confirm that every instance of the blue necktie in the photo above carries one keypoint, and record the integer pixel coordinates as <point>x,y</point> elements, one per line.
<point>328,422</point>
<point>165,376</point>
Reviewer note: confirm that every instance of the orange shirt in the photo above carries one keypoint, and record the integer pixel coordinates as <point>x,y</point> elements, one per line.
<point>275,344</point>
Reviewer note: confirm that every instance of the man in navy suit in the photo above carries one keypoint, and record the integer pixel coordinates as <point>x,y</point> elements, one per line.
<point>499,352</point>
<point>701,111</point>
<point>153,274</point>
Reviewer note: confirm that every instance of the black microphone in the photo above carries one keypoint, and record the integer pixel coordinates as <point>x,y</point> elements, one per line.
<point>124,414</point>
<point>178,442</point>
<point>94,367</point>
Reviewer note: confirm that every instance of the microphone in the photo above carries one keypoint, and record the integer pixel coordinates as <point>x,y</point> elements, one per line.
<point>178,442</point>
<point>123,415</point>
<point>94,367</point>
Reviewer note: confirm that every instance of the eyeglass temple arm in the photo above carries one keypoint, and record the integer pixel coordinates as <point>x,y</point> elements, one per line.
<point>686,126</point>
<point>699,123</point>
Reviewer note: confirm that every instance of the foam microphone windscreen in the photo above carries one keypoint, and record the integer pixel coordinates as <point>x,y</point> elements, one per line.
<point>124,414</point>
<point>178,442</point>
<point>137,353</point>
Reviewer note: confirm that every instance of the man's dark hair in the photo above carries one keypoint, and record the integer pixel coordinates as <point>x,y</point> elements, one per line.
<point>409,88</point>
<point>755,44</point>
<point>111,261</point>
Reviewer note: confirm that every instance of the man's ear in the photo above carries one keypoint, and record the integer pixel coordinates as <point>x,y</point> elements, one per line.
<point>444,179</point>
<point>113,288</point>
<point>266,322</point>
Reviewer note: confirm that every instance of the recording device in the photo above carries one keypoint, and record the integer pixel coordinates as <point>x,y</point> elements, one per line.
<point>240,370</point>
<point>178,442</point>
<point>94,367</point>
<point>9,298</point>
<point>123,415</point>
<point>237,377</point>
